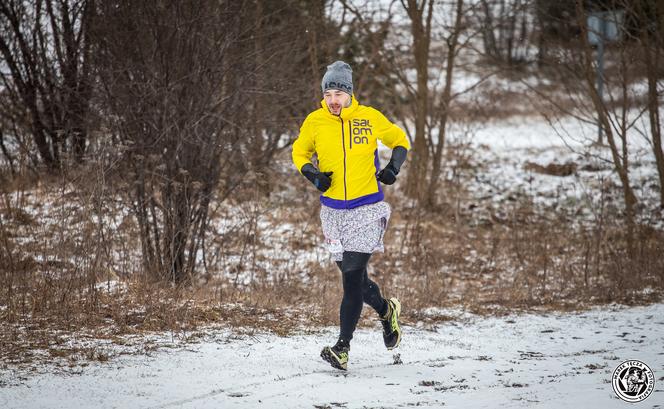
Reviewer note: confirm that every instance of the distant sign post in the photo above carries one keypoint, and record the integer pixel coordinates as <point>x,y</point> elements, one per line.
<point>603,26</point>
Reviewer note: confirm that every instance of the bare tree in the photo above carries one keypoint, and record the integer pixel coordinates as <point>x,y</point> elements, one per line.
<point>445,101</point>
<point>172,80</point>
<point>650,15</point>
<point>44,45</point>
<point>553,26</point>
<point>420,14</point>
<point>365,36</point>
<point>615,112</point>
<point>506,29</point>
<point>199,94</point>
<point>432,101</point>
<point>615,126</point>
<point>289,46</point>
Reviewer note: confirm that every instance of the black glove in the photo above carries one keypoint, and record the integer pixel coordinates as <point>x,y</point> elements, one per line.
<point>321,180</point>
<point>389,174</point>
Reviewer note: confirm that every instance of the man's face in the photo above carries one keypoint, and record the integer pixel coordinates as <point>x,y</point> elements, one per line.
<point>335,100</point>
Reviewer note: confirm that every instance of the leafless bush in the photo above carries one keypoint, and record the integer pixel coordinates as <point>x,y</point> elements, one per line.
<point>186,85</point>
<point>48,85</point>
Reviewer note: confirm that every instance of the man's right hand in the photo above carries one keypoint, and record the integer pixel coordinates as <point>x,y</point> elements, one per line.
<point>321,180</point>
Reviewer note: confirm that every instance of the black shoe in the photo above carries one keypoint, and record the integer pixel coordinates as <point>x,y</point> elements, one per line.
<point>391,329</point>
<point>337,355</point>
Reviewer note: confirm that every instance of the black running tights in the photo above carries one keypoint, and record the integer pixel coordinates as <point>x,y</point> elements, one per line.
<point>358,289</point>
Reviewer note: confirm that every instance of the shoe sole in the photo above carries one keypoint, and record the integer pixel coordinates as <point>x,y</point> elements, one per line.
<point>397,305</point>
<point>328,356</point>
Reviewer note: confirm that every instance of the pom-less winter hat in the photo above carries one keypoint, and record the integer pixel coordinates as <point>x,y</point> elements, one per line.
<point>339,76</point>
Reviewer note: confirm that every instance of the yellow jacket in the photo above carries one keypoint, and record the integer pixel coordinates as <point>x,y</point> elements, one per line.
<point>347,146</point>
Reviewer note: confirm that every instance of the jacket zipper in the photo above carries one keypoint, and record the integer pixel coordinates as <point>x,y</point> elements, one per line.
<point>343,147</point>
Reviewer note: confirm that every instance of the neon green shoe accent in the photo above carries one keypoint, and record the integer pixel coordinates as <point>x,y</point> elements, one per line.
<point>338,359</point>
<point>396,312</point>
<point>391,329</point>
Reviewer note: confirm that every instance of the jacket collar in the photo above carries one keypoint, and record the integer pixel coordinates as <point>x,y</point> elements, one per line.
<point>345,112</point>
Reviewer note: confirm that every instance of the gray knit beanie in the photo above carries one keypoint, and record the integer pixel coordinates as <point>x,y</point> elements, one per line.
<point>339,76</point>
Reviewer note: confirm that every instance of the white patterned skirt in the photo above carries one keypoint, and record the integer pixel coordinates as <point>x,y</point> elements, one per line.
<point>360,229</point>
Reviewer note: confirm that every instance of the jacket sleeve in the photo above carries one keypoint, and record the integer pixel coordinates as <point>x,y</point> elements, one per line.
<point>303,147</point>
<point>390,134</point>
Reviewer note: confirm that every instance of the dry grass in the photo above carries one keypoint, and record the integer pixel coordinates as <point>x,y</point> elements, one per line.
<point>70,266</point>
<point>527,260</point>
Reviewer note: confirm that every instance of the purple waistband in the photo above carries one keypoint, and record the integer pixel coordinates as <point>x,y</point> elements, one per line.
<point>351,204</point>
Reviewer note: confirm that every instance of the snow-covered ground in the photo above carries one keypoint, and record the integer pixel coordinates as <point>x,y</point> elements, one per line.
<point>503,151</point>
<point>547,360</point>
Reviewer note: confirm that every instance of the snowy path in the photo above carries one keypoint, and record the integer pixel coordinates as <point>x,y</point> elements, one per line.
<point>533,360</point>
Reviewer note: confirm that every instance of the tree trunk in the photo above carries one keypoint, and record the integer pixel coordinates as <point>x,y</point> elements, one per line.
<point>488,33</point>
<point>5,152</point>
<point>453,42</point>
<point>421,30</point>
<point>620,163</point>
<point>652,53</point>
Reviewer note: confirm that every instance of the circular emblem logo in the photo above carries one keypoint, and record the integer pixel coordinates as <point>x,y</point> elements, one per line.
<point>633,381</point>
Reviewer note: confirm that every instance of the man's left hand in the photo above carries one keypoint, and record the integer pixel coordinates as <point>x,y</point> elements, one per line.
<point>388,175</point>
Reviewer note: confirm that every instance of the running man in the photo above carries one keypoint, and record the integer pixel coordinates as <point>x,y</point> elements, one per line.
<point>343,134</point>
